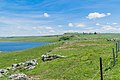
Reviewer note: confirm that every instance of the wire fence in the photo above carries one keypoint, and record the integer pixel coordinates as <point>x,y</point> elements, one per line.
<point>106,60</point>
<point>104,68</point>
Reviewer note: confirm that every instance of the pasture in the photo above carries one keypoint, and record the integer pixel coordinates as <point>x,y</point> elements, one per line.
<point>82,61</point>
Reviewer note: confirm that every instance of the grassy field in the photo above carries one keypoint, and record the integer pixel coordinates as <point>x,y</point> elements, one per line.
<point>82,62</point>
<point>30,39</point>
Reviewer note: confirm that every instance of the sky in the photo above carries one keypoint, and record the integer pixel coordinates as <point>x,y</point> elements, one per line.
<point>52,17</point>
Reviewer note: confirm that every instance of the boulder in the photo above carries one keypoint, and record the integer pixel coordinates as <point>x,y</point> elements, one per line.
<point>8,68</point>
<point>51,57</point>
<point>18,77</point>
<point>4,71</point>
<point>30,64</point>
<point>27,65</point>
<point>15,65</point>
<point>30,67</point>
<point>1,75</point>
<point>113,39</point>
<point>21,77</point>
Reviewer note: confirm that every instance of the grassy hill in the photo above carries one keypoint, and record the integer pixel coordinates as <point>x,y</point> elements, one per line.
<point>31,39</point>
<point>82,62</point>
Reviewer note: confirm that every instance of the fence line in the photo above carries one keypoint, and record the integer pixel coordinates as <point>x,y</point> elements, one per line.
<point>114,60</point>
<point>117,50</point>
<point>99,70</point>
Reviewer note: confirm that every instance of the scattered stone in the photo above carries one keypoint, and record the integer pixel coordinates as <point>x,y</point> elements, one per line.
<point>21,77</point>
<point>8,68</point>
<point>1,75</point>
<point>44,57</point>
<point>26,65</point>
<point>51,57</point>
<point>58,56</point>
<point>113,39</point>
<point>15,65</point>
<point>31,62</point>
<point>18,76</point>
<point>4,71</point>
<point>30,67</point>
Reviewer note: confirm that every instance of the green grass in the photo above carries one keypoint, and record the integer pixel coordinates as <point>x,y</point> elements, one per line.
<point>82,62</point>
<point>31,39</point>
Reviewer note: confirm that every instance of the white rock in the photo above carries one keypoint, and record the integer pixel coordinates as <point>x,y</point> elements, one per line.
<point>1,75</point>
<point>17,76</point>
<point>8,68</point>
<point>4,71</point>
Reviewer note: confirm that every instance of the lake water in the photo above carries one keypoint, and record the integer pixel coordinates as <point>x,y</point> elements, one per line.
<point>14,46</point>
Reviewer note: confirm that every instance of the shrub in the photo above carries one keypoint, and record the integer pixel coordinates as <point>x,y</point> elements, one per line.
<point>64,38</point>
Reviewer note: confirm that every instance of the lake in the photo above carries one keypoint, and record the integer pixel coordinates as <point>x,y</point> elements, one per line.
<point>14,46</point>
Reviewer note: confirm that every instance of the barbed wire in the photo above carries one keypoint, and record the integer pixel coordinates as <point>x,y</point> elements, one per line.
<point>99,70</point>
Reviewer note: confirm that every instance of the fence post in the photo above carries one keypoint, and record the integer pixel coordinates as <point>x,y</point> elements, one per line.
<point>114,60</point>
<point>101,73</point>
<point>118,45</point>
<point>116,50</point>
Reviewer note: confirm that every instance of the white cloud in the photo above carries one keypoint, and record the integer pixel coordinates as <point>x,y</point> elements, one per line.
<point>70,24</point>
<point>97,15</point>
<point>42,28</point>
<point>34,27</point>
<point>51,31</point>
<point>46,15</point>
<point>70,31</point>
<point>108,14</point>
<point>114,23</point>
<point>45,30</point>
<point>19,27</point>
<point>107,27</point>
<point>48,28</point>
<point>97,24</point>
<point>80,25</point>
<point>60,26</point>
<point>76,25</point>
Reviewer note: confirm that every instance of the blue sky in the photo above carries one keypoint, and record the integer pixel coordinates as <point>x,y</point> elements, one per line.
<point>49,17</point>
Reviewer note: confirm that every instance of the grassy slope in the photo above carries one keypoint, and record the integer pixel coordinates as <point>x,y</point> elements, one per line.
<point>31,39</point>
<point>82,62</point>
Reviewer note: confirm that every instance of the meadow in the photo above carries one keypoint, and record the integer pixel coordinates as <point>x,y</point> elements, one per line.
<point>82,61</point>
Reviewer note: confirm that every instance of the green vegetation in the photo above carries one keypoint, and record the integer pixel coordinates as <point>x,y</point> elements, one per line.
<point>31,39</point>
<point>82,62</point>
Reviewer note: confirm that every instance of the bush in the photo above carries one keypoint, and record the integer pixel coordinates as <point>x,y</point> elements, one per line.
<point>64,38</point>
